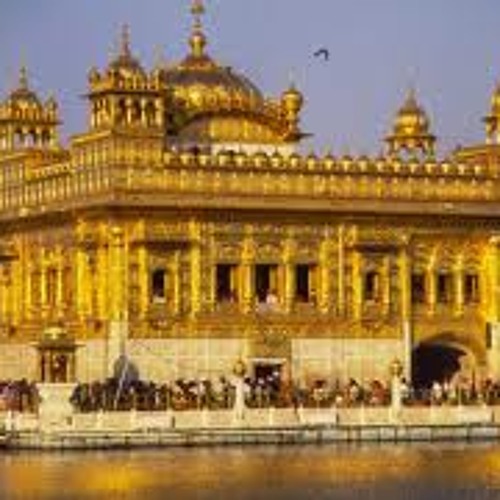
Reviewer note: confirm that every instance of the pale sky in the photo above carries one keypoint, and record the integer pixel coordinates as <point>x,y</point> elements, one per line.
<point>448,49</point>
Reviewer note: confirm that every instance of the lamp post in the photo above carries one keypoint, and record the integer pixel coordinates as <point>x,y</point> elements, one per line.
<point>239,371</point>
<point>396,370</point>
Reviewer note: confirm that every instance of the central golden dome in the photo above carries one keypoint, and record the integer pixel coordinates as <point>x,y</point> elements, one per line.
<point>199,76</point>
<point>211,104</point>
<point>199,80</point>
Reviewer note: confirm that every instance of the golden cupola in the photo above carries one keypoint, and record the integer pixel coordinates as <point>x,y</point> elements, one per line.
<point>124,95</point>
<point>211,105</point>
<point>492,120</point>
<point>26,122</point>
<point>411,131</point>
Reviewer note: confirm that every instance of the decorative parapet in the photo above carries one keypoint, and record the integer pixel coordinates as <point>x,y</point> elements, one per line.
<point>232,174</point>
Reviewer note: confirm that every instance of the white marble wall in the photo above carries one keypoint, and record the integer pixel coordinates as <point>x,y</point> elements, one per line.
<point>362,359</point>
<point>18,361</point>
<point>177,358</point>
<point>169,359</point>
<point>91,361</point>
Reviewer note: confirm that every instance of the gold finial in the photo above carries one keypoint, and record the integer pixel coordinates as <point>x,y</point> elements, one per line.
<point>23,78</point>
<point>197,9</point>
<point>198,40</point>
<point>125,41</point>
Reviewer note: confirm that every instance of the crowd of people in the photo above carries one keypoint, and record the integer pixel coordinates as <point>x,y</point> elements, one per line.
<point>18,395</point>
<point>184,394</point>
<point>115,394</point>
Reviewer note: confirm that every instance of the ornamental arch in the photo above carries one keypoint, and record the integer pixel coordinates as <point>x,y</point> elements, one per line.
<point>447,357</point>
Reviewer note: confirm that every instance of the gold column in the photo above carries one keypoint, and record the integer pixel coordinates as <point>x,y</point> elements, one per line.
<point>16,291</point>
<point>100,281</point>
<point>289,275</point>
<point>357,284</point>
<point>129,104</point>
<point>405,284</point>
<point>144,294</point>
<point>28,306</point>
<point>494,281</point>
<point>405,287</point>
<point>458,288</point>
<point>25,280</point>
<point>175,271</point>
<point>82,291</point>
<point>4,292</point>
<point>43,281</point>
<point>386,285</point>
<point>143,118</point>
<point>113,103</point>
<point>160,111</point>
<point>117,284</point>
<point>247,262</point>
<point>324,277</point>
<point>431,285</point>
<point>59,281</point>
<point>195,261</point>
<point>211,291</point>
<point>341,271</point>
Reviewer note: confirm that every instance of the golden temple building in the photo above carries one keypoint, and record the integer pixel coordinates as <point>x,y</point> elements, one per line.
<point>183,229</point>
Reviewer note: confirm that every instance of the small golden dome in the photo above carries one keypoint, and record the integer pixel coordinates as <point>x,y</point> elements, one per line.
<point>411,130</point>
<point>23,96</point>
<point>125,64</point>
<point>292,99</point>
<point>411,119</point>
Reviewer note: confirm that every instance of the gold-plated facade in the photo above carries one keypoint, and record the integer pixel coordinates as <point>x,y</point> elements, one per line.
<point>183,229</point>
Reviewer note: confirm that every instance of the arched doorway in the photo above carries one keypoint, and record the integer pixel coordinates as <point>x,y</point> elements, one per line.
<point>433,362</point>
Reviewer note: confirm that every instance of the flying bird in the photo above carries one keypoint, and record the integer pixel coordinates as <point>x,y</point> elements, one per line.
<point>323,52</point>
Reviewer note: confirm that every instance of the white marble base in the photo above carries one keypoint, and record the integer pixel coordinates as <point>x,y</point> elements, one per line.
<point>55,409</point>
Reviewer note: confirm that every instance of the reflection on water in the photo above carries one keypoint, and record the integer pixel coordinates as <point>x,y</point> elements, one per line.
<point>375,471</point>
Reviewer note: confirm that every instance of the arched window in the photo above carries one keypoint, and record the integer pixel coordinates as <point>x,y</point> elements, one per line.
<point>444,287</point>
<point>121,112</point>
<point>51,286</point>
<point>418,288</point>
<point>136,112</point>
<point>158,286</point>
<point>471,288</point>
<point>150,114</point>
<point>372,286</point>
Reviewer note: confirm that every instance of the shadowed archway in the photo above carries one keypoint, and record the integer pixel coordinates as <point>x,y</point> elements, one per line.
<point>435,362</point>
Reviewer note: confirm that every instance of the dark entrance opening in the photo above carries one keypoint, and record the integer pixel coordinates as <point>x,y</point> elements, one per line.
<point>434,363</point>
<point>268,374</point>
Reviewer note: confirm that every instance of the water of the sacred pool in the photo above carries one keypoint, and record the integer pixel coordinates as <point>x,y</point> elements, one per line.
<point>388,472</point>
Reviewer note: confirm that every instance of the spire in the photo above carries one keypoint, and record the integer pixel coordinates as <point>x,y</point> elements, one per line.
<point>125,41</point>
<point>411,99</point>
<point>125,60</point>
<point>492,119</point>
<point>197,40</point>
<point>197,9</point>
<point>22,90</point>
